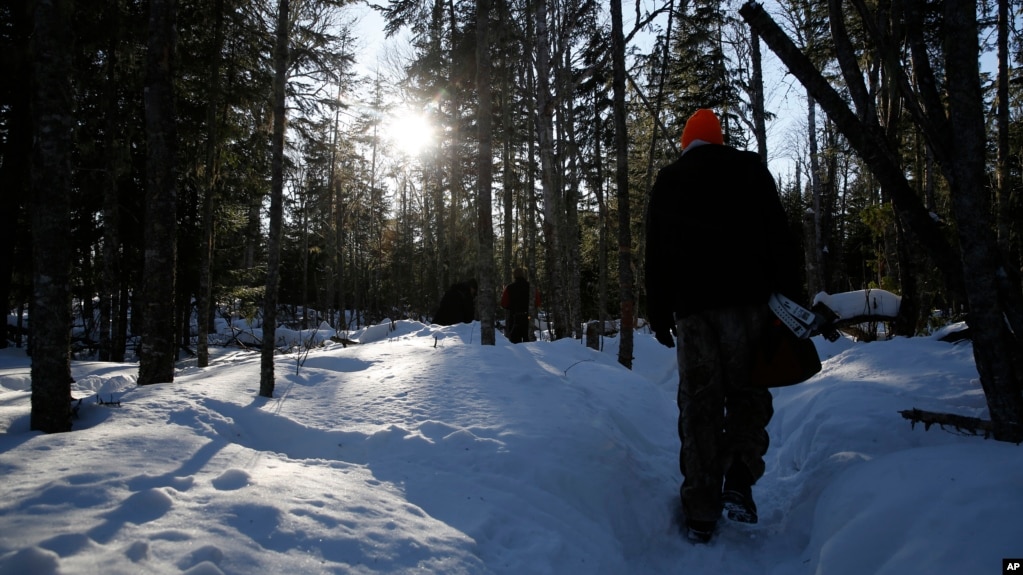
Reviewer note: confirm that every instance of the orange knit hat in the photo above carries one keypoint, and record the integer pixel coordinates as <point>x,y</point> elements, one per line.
<point>703,125</point>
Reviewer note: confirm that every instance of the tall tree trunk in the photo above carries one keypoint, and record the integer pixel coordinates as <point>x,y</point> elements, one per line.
<point>51,219</point>
<point>625,277</point>
<point>531,229</point>
<point>204,304</point>
<point>371,263</point>
<point>485,180</point>
<point>252,232</point>
<point>1005,182</point>
<point>757,97</point>
<point>335,291</point>
<point>440,230</point>
<point>273,265</point>
<point>355,265</point>
<point>110,291</point>
<point>306,232</point>
<point>456,255</point>
<point>339,260</point>
<point>572,255</point>
<point>508,180</point>
<point>529,202</point>
<point>909,307</point>
<point>814,273</point>
<point>158,338</point>
<point>553,210</point>
<point>997,353</point>
<point>508,128</point>
<point>602,224</point>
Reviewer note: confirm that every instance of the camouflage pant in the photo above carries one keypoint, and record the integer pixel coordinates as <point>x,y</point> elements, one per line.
<point>722,420</point>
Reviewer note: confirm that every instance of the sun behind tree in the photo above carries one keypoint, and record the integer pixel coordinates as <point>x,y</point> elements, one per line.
<point>409,132</point>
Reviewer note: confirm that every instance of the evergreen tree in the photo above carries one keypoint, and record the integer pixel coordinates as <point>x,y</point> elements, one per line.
<point>701,75</point>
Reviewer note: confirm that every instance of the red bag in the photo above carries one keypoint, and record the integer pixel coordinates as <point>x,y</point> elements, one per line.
<point>783,359</point>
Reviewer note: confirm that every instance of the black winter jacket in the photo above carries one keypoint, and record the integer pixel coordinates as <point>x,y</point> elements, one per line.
<point>717,236</point>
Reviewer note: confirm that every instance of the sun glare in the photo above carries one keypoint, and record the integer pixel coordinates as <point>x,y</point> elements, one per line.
<point>410,132</point>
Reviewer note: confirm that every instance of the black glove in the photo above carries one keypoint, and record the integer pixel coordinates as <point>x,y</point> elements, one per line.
<point>824,322</point>
<point>665,336</point>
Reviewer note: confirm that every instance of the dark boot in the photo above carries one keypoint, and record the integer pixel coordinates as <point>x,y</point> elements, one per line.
<point>700,531</point>
<point>737,495</point>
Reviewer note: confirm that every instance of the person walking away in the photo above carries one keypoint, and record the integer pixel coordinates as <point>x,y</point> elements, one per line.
<point>515,300</point>
<point>458,304</point>
<point>718,246</point>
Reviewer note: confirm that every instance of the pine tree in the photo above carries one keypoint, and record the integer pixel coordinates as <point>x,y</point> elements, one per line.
<point>700,76</point>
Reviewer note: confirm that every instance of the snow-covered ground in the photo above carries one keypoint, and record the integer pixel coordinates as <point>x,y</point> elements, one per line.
<point>420,451</point>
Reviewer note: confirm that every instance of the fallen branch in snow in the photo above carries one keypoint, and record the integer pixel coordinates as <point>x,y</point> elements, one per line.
<point>864,327</point>
<point>865,318</point>
<point>344,341</point>
<point>235,335</point>
<point>962,423</point>
<point>575,364</point>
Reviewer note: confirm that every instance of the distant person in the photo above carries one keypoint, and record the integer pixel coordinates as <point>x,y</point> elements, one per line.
<point>458,304</point>
<point>515,300</point>
<point>716,211</point>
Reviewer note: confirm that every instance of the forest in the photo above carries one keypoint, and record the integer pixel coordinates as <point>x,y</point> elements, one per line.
<point>166,162</point>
